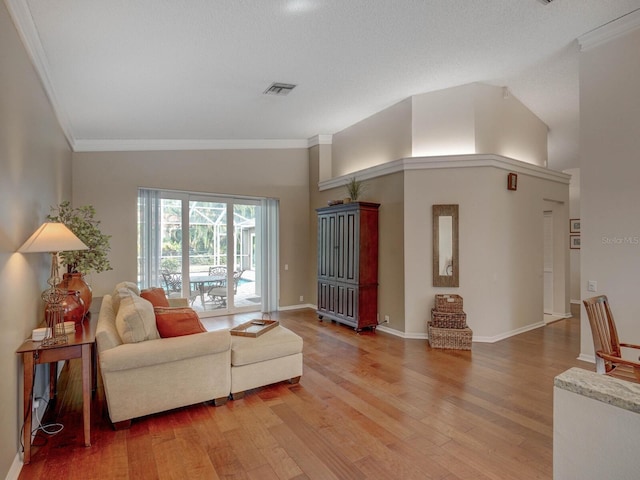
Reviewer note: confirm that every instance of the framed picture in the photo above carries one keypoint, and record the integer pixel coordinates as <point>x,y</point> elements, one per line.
<point>574,225</point>
<point>574,242</point>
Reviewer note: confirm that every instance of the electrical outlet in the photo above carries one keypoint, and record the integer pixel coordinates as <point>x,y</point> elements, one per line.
<point>592,286</point>
<point>36,404</point>
<point>386,319</point>
<point>302,298</point>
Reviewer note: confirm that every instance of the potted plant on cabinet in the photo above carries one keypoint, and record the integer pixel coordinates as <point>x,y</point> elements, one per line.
<point>81,221</point>
<point>354,189</point>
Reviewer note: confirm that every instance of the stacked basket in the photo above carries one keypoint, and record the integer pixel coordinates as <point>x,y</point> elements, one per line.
<point>448,326</point>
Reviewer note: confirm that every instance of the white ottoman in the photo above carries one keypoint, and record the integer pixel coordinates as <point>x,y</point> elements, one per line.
<point>272,357</point>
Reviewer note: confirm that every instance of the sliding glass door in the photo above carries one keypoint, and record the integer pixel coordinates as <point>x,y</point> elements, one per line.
<point>203,247</point>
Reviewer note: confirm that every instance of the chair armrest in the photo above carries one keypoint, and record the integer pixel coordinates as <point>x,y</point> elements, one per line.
<point>618,360</point>
<point>630,345</point>
<point>178,302</point>
<point>164,350</point>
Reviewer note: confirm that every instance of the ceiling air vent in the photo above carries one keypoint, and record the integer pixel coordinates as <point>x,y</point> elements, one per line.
<point>279,89</point>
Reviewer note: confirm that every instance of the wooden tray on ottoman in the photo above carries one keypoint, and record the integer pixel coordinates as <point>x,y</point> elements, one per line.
<point>254,328</point>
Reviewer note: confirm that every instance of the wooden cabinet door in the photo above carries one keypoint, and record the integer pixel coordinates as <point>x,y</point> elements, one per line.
<point>323,297</point>
<point>347,241</point>
<point>327,246</point>
<point>347,306</point>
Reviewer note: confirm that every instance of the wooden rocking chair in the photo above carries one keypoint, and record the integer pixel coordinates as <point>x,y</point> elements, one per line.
<point>606,344</point>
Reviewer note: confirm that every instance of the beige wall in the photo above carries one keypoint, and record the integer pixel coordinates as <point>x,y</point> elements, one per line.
<point>443,122</point>
<point>381,138</point>
<point>574,254</point>
<point>477,118</point>
<point>501,247</point>
<point>109,181</point>
<point>35,173</point>
<point>609,173</point>
<point>504,126</point>
<point>501,231</point>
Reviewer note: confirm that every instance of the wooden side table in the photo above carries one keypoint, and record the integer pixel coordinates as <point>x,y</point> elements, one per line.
<point>80,344</point>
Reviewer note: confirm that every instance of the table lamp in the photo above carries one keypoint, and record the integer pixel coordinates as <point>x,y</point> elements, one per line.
<point>53,238</point>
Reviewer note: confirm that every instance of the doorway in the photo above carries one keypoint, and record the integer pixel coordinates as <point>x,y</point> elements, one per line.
<point>555,263</point>
<point>206,248</point>
<point>548,262</point>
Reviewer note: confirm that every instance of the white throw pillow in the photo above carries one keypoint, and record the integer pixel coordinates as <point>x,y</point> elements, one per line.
<point>117,296</point>
<point>129,286</point>
<point>136,320</point>
<point>122,290</point>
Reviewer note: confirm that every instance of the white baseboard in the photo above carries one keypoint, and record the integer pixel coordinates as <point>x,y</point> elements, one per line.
<point>398,333</point>
<point>16,468</point>
<point>587,358</point>
<point>502,336</point>
<point>296,307</point>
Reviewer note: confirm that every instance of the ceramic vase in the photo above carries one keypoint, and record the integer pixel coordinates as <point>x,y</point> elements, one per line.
<point>75,282</point>
<point>72,307</point>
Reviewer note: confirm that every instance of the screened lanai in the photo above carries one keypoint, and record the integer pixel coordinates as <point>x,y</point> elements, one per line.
<point>220,257</point>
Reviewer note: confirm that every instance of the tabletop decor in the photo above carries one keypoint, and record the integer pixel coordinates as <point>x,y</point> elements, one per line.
<point>53,237</point>
<point>355,188</point>
<point>81,221</point>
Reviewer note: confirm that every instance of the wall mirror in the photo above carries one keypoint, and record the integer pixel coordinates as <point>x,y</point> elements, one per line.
<point>445,246</point>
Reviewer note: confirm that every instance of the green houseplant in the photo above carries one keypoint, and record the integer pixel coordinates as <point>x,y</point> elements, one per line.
<point>81,221</point>
<point>354,188</point>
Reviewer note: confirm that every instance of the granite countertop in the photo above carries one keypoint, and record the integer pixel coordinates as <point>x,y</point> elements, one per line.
<point>603,388</point>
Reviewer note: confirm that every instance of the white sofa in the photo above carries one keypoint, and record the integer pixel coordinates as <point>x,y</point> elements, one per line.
<point>145,374</point>
<point>158,374</point>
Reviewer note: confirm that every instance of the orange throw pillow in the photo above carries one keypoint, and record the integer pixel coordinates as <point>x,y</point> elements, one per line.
<point>175,322</point>
<point>156,296</point>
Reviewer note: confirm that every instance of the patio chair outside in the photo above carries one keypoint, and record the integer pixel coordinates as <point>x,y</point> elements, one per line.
<point>173,286</point>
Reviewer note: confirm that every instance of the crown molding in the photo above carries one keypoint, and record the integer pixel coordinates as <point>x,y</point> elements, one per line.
<point>448,161</point>
<point>23,21</point>
<point>124,145</point>
<point>610,31</point>
<point>320,140</point>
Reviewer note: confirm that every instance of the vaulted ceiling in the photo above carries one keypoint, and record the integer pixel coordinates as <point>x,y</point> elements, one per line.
<point>191,73</point>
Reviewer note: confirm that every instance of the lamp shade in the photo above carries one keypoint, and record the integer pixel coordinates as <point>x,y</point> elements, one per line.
<point>52,237</point>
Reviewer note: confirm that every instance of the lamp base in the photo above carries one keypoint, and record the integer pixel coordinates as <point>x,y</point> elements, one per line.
<point>54,316</point>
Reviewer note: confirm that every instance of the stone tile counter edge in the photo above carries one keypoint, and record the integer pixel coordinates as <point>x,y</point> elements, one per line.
<point>602,388</point>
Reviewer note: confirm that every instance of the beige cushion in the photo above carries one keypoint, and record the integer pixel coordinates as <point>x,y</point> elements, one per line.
<point>121,290</point>
<point>117,296</point>
<point>275,343</point>
<point>129,286</point>
<point>135,320</point>
<point>107,335</point>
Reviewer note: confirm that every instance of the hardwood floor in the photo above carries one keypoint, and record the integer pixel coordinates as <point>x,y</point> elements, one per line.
<point>368,406</point>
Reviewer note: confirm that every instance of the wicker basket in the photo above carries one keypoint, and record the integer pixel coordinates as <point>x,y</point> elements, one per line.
<point>448,320</point>
<point>451,338</point>
<point>449,303</point>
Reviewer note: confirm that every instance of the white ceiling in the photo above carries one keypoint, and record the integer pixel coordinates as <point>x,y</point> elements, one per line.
<point>191,73</point>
